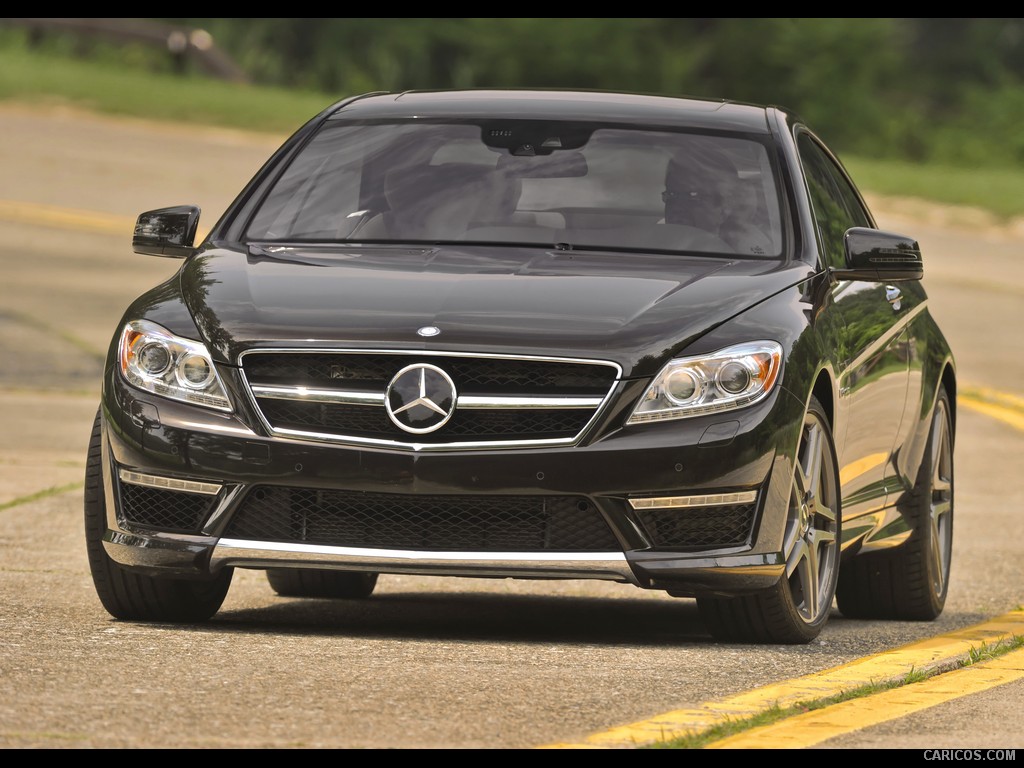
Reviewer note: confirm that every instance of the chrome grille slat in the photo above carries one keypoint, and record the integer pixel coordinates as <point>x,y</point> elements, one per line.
<point>503,400</point>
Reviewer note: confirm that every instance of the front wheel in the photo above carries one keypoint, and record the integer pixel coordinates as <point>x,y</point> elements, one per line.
<point>133,596</point>
<point>796,609</point>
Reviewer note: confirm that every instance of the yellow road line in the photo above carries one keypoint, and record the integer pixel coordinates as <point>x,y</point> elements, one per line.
<point>999,405</point>
<point>931,654</point>
<point>71,218</point>
<point>66,218</point>
<point>806,730</point>
<point>987,394</point>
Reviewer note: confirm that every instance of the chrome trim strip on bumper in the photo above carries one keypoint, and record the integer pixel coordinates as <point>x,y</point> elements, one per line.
<point>682,502</point>
<point>168,483</point>
<point>610,566</point>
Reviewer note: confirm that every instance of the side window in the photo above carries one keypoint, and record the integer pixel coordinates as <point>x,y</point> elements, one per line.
<point>836,206</point>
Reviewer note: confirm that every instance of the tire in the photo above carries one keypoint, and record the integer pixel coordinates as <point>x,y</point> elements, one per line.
<point>314,582</point>
<point>796,609</point>
<point>132,596</point>
<point>910,582</point>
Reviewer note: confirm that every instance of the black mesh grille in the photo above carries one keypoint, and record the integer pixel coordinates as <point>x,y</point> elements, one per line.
<point>318,369</point>
<point>480,377</point>
<point>443,523</point>
<point>528,376</point>
<point>477,375</point>
<point>164,510</point>
<point>359,420</point>
<point>699,527</point>
<point>470,425</point>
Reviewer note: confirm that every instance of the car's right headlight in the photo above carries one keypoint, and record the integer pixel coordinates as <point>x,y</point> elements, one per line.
<point>734,377</point>
<point>154,359</point>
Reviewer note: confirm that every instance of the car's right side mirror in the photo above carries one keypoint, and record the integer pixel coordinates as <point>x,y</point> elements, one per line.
<point>872,254</point>
<point>167,232</point>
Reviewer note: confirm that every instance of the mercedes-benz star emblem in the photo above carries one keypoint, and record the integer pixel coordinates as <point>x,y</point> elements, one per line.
<point>420,398</point>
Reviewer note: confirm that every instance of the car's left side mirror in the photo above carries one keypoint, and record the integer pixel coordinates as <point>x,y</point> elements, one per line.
<point>167,232</point>
<point>872,254</point>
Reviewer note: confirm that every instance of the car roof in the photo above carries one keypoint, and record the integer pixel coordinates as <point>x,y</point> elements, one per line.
<point>601,106</point>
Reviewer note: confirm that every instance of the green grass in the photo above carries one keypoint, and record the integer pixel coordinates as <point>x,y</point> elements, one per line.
<point>43,494</point>
<point>135,89</point>
<point>774,714</point>
<point>31,77</point>
<point>998,190</point>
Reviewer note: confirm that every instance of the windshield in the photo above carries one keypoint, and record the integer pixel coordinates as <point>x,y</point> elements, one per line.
<point>545,183</point>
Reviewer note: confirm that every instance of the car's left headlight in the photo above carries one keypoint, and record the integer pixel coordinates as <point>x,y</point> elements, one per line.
<point>733,377</point>
<point>154,359</point>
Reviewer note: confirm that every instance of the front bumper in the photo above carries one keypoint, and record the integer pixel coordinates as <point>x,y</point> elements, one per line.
<point>210,473</point>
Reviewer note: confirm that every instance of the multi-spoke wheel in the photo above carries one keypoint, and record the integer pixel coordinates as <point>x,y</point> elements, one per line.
<point>795,609</point>
<point>911,581</point>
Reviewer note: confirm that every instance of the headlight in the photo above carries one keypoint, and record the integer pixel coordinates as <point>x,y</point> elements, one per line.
<point>693,386</point>
<point>154,359</point>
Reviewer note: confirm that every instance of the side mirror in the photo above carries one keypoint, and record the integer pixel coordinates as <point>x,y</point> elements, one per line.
<point>167,232</point>
<point>880,256</point>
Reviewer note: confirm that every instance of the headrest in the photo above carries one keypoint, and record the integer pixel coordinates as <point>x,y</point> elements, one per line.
<point>410,186</point>
<point>700,167</point>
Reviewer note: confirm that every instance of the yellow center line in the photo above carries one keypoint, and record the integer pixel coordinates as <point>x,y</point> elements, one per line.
<point>1004,407</point>
<point>987,394</point>
<point>77,219</point>
<point>930,654</point>
<point>811,728</point>
<point>66,218</point>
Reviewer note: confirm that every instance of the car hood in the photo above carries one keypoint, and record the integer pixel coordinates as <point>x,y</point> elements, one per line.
<point>633,309</point>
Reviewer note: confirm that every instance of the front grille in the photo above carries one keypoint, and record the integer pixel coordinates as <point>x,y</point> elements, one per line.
<point>476,425</point>
<point>526,400</point>
<point>479,374</point>
<point>699,527</point>
<point>160,509</point>
<point>422,522</point>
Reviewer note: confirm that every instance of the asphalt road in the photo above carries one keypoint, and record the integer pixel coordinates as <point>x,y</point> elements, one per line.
<point>427,662</point>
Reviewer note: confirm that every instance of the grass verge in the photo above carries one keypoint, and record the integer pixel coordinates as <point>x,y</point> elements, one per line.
<point>975,655</point>
<point>43,494</point>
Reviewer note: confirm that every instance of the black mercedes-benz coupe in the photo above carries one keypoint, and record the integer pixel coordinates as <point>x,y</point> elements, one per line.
<point>533,334</point>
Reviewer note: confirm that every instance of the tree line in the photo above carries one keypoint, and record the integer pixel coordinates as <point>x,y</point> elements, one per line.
<point>929,89</point>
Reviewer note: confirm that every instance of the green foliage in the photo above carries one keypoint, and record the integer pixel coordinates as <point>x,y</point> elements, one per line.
<point>43,77</point>
<point>915,107</point>
<point>949,90</point>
